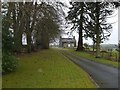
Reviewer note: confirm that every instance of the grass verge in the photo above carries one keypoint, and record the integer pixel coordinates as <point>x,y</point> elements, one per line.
<point>92,57</point>
<point>47,69</point>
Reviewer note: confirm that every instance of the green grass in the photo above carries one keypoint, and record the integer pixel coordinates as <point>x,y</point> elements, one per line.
<point>115,53</point>
<point>99,60</point>
<point>0,68</point>
<point>1,82</point>
<point>47,69</point>
<point>0,58</point>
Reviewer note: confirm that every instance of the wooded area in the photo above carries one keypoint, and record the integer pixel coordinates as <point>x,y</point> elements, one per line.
<point>39,23</point>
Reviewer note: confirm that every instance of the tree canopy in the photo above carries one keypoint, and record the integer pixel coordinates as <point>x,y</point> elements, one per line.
<point>90,18</point>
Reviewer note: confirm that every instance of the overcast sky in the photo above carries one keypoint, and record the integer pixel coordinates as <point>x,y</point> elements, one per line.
<point>113,39</point>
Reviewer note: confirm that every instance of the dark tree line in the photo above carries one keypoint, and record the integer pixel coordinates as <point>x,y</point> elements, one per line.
<point>90,20</point>
<point>39,22</point>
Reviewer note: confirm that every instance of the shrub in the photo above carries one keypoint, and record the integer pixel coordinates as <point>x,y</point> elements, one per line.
<point>9,63</point>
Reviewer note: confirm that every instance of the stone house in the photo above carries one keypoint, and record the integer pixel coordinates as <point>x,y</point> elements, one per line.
<point>67,42</point>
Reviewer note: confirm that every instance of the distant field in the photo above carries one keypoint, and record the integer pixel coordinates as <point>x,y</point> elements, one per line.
<point>47,69</point>
<point>114,54</point>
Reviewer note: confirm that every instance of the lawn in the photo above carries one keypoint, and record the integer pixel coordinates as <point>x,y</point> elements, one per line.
<point>0,82</point>
<point>0,68</point>
<point>92,57</point>
<point>0,59</point>
<point>47,69</point>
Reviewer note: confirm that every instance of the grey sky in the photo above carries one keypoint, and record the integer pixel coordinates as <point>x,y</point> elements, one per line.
<point>113,39</point>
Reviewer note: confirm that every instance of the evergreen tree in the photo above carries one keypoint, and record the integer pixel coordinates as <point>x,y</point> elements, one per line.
<point>99,29</point>
<point>76,16</point>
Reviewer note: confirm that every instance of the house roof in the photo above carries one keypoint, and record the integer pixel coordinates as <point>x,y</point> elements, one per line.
<point>68,40</point>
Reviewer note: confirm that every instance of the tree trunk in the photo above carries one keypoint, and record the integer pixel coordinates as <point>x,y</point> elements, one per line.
<point>80,39</point>
<point>44,40</point>
<point>28,32</point>
<point>0,25</point>
<point>29,41</point>
<point>17,28</point>
<point>97,31</point>
<point>93,45</point>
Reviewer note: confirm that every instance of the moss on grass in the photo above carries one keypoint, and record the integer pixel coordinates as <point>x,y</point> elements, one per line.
<point>47,69</point>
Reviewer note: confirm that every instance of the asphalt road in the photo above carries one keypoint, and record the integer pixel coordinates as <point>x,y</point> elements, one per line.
<point>104,76</point>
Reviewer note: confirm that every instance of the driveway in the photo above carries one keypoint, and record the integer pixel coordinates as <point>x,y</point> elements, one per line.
<point>105,76</point>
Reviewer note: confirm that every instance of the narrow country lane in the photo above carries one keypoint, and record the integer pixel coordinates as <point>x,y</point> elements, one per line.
<point>105,76</point>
